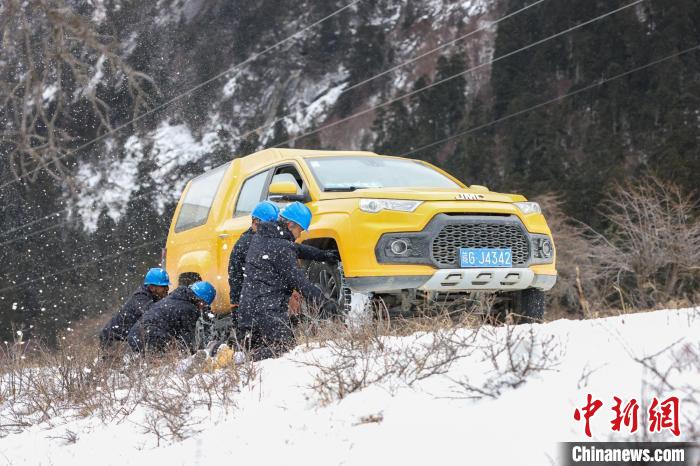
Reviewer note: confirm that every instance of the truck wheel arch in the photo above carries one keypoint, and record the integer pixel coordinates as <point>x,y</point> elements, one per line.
<point>327,244</point>
<point>191,266</point>
<point>188,278</point>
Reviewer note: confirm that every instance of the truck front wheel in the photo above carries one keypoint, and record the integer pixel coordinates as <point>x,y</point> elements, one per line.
<point>528,305</point>
<point>353,308</point>
<point>330,279</point>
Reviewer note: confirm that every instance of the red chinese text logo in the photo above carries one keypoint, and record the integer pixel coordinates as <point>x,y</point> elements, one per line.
<point>663,415</point>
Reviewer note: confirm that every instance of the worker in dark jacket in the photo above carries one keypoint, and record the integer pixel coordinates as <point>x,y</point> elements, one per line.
<point>271,275</point>
<point>172,320</point>
<point>266,211</point>
<point>155,287</point>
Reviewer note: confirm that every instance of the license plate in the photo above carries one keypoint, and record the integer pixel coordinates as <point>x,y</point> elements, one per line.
<point>485,257</point>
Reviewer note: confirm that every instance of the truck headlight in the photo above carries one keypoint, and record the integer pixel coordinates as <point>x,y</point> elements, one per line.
<point>377,205</point>
<point>528,207</point>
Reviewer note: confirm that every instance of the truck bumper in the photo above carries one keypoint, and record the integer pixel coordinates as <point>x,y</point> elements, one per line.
<point>457,280</point>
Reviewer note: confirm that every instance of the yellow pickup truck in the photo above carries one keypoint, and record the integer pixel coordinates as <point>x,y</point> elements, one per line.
<point>406,231</point>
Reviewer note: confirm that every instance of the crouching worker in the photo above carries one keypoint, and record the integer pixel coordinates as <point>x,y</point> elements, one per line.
<point>172,321</point>
<point>155,287</point>
<point>271,275</point>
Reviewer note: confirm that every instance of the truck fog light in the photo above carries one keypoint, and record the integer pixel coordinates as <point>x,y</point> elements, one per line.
<point>399,247</point>
<point>546,248</point>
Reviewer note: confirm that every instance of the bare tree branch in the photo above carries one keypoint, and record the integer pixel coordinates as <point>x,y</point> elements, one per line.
<point>58,75</point>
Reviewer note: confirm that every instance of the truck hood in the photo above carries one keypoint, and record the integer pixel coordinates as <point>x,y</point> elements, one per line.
<point>425,194</point>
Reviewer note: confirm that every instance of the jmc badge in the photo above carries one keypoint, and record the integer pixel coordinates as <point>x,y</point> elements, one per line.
<point>469,197</point>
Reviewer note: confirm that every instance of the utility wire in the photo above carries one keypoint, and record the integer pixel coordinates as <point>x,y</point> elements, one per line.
<point>34,233</point>
<point>188,92</point>
<point>476,128</point>
<point>456,75</point>
<point>33,222</point>
<point>556,99</point>
<point>353,86</point>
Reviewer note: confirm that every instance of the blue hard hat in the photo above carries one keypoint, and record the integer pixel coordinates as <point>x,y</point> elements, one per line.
<point>157,277</point>
<point>298,213</point>
<point>204,291</point>
<point>266,211</point>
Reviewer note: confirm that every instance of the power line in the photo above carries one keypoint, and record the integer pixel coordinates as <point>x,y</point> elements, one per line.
<point>79,266</point>
<point>186,93</point>
<point>34,233</point>
<point>461,73</point>
<point>33,222</point>
<point>353,86</point>
<point>550,101</point>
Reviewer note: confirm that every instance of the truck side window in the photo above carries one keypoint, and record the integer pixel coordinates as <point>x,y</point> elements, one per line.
<point>289,173</point>
<point>198,200</point>
<point>250,195</point>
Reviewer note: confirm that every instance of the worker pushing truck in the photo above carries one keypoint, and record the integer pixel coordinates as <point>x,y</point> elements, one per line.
<point>271,275</point>
<point>265,211</point>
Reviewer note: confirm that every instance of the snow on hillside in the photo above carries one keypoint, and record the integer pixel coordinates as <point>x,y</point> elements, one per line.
<point>282,86</point>
<point>278,419</point>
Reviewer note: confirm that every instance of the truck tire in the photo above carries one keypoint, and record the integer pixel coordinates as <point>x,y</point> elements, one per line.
<point>528,305</point>
<point>330,279</point>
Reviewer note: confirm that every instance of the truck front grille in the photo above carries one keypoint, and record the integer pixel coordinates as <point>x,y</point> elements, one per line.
<point>445,246</point>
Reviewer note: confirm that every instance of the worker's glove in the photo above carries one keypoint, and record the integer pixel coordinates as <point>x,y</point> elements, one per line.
<point>295,304</point>
<point>328,309</point>
<point>331,257</point>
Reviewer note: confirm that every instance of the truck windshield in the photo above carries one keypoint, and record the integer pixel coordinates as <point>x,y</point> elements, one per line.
<point>351,173</point>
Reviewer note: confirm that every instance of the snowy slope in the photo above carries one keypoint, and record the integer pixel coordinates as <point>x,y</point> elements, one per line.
<point>279,420</point>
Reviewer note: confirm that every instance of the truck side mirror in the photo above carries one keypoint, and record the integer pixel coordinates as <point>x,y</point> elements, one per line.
<point>282,188</point>
<point>285,191</point>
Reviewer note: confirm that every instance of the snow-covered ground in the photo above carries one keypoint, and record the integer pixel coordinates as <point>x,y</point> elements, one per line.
<point>279,419</point>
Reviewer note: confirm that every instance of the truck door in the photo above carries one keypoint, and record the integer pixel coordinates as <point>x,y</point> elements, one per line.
<point>248,195</point>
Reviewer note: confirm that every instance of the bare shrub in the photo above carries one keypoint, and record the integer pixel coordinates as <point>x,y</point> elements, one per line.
<point>356,359</point>
<point>169,410</point>
<point>74,381</point>
<point>513,356</point>
<point>576,290</point>
<point>674,370</point>
<point>652,250</point>
<point>69,437</point>
<point>313,328</point>
<point>64,380</point>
